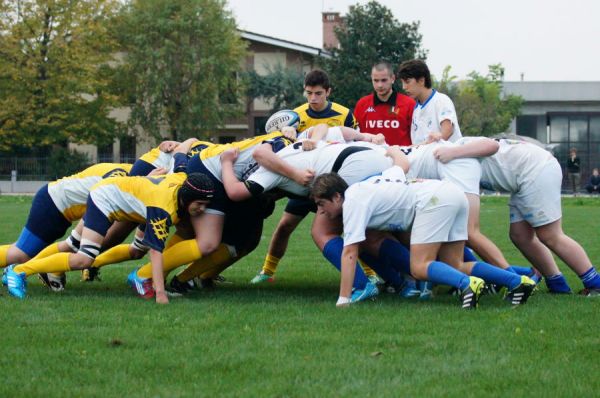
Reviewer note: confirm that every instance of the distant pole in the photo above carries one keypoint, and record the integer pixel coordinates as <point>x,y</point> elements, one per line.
<point>13,180</point>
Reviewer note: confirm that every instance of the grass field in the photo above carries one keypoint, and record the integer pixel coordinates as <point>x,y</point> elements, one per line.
<point>288,339</point>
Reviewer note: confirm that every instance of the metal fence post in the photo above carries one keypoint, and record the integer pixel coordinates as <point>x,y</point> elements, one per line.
<point>13,180</point>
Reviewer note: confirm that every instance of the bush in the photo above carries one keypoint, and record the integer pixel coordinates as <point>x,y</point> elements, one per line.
<point>64,162</point>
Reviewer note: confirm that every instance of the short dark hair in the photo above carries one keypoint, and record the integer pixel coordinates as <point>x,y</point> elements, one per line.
<point>415,69</point>
<point>327,185</point>
<point>380,65</point>
<point>317,77</point>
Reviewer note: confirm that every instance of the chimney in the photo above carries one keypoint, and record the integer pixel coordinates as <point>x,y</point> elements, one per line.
<point>330,21</point>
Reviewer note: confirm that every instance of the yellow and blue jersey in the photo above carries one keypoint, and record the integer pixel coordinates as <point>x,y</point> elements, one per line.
<point>333,115</point>
<point>245,163</point>
<point>199,146</point>
<point>69,194</point>
<point>149,200</point>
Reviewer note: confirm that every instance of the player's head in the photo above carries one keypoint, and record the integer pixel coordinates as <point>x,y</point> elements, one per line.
<point>382,77</point>
<point>328,194</point>
<point>195,193</point>
<point>595,171</point>
<point>317,89</point>
<point>415,77</point>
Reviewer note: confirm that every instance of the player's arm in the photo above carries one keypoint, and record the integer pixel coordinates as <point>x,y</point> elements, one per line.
<point>185,146</point>
<point>236,190</point>
<point>156,258</point>
<point>268,159</point>
<point>351,134</point>
<point>477,148</point>
<point>398,157</point>
<point>349,258</point>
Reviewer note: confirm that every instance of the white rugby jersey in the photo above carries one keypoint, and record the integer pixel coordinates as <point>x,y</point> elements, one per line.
<point>321,160</point>
<point>515,162</point>
<point>465,173</point>
<point>334,134</point>
<point>428,117</point>
<point>387,203</point>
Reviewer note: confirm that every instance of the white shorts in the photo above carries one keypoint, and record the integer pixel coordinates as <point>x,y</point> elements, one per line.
<point>361,165</point>
<point>538,200</point>
<point>443,219</point>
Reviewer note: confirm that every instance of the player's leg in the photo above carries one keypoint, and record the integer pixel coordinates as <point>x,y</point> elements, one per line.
<point>525,239</point>
<point>571,252</point>
<point>95,226</point>
<point>295,211</point>
<point>326,235</point>
<point>481,244</point>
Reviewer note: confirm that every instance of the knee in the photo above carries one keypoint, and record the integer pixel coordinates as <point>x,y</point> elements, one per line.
<point>136,254</point>
<point>80,261</point>
<point>207,247</point>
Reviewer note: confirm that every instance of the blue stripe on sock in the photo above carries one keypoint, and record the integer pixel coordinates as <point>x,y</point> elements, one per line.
<point>591,279</point>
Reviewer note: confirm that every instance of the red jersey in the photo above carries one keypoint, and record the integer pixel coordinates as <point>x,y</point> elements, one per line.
<point>391,118</point>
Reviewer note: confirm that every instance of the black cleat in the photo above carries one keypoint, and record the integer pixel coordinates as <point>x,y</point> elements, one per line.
<point>90,275</point>
<point>470,295</point>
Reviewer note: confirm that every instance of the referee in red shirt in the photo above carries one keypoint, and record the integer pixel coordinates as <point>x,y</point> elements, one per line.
<point>385,110</point>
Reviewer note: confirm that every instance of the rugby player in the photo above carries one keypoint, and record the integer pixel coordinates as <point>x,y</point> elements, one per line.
<point>435,212</point>
<point>159,202</point>
<point>533,177</point>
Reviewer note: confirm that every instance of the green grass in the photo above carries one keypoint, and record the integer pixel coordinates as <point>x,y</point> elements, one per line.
<point>288,339</point>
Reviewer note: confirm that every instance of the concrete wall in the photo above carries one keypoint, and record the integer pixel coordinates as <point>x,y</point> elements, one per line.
<point>21,187</point>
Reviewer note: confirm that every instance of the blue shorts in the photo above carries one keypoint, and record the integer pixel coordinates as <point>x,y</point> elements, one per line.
<point>300,207</point>
<point>45,224</point>
<point>94,219</point>
<point>221,201</point>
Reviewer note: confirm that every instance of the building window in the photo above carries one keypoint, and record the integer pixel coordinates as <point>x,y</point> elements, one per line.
<point>105,153</point>
<point>127,149</point>
<point>259,125</point>
<point>226,139</point>
<point>527,125</point>
<point>559,128</point>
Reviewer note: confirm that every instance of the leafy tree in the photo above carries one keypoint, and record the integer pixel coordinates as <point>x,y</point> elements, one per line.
<point>280,86</point>
<point>180,66</point>
<point>54,72</point>
<point>480,105</point>
<point>370,33</point>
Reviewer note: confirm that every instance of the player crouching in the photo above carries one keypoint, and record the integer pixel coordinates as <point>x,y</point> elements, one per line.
<point>159,202</point>
<point>436,211</point>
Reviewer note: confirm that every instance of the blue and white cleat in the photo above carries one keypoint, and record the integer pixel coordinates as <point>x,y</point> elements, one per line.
<point>4,274</point>
<point>370,291</point>
<point>142,287</point>
<point>16,283</point>
<point>425,290</point>
<point>409,289</point>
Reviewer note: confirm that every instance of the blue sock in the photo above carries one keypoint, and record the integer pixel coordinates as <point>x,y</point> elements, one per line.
<point>333,253</point>
<point>527,271</point>
<point>396,254</point>
<point>495,275</point>
<point>383,269</point>
<point>443,274</point>
<point>469,256</point>
<point>557,284</point>
<point>591,279</point>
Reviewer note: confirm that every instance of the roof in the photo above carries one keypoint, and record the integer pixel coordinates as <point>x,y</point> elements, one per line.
<point>284,43</point>
<point>554,91</point>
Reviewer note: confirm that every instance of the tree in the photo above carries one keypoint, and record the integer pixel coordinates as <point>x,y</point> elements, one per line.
<point>370,34</point>
<point>280,86</point>
<point>54,72</point>
<point>180,66</point>
<point>480,105</point>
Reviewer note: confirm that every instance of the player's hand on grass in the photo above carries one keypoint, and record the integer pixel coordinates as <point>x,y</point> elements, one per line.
<point>304,177</point>
<point>159,171</point>
<point>289,132</point>
<point>343,302</point>
<point>161,298</point>
<point>230,155</point>
<point>444,154</point>
<point>308,145</point>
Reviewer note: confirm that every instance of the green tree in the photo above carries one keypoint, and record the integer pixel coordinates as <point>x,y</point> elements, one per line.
<point>180,65</point>
<point>280,86</point>
<point>54,72</point>
<point>370,33</point>
<point>481,107</point>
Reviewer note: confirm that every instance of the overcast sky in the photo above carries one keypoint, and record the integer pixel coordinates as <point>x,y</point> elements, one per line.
<point>543,39</point>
